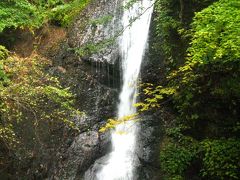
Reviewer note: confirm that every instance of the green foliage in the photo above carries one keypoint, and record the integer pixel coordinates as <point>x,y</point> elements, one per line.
<point>3,55</point>
<point>178,152</point>
<point>214,53</point>
<point>221,159</point>
<point>103,20</point>
<point>92,48</point>
<point>19,13</point>
<point>129,4</point>
<point>164,10</point>
<point>154,96</point>
<point>48,3</point>
<point>215,33</point>
<point>212,64</point>
<point>204,91</point>
<point>175,159</point>
<point>32,14</point>
<point>172,28</point>
<point>36,112</point>
<point>24,98</point>
<point>66,12</point>
<point>167,26</point>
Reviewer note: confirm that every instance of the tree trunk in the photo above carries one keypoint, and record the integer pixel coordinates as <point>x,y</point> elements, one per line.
<point>181,10</point>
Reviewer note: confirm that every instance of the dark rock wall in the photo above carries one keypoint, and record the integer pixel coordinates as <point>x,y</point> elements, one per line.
<point>98,24</point>
<point>97,100</point>
<point>151,130</point>
<point>95,80</point>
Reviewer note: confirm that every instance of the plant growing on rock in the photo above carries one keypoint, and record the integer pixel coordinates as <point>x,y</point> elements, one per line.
<point>33,14</point>
<point>204,92</point>
<point>31,101</point>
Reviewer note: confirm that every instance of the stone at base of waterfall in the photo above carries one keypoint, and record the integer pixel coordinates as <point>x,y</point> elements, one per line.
<point>80,154</point>
<point>91,173</point>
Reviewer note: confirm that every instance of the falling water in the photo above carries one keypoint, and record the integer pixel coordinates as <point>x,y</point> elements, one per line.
<point>121,161</point>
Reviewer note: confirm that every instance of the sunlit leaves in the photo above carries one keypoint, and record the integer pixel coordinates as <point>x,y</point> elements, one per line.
<point>28,14</point>
<point>216,33</point>
<point>32,94</point>
<point>175,158</point>
<point>154,96</point>
<point>3,55</point>
<point>66,12</point>
<point>19,13</point>
<point>113,123</point>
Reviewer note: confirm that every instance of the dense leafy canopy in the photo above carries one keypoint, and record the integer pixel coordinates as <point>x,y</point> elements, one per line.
<point>221,158</point>
<point>19,13</point>
<point>204,89</point>
<point>32,14</point>
<point>216,33</point>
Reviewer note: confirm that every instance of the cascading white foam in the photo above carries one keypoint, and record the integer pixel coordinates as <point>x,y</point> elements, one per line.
<point>120,165</point>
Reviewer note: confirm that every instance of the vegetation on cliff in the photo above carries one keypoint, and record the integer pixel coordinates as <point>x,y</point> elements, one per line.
<point>36,111</point>
<point>33,105</point>
<point>202,84</point>
<point>198,44</point>
<point>33,14</point>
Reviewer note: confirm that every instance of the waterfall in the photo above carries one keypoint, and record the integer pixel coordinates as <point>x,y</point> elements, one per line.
<point>122,160</point>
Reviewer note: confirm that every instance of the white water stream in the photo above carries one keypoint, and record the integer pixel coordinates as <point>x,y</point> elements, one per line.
<point>121,162</point>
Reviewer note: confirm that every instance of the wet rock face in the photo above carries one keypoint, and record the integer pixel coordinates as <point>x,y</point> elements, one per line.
<point>97,97</point>
<point>98,26</point>
<point>151,126</point>
<point>78,155</point>
<point>84,144</point>
<point>91,173</point>
<point>95,80</point>
<point>149,139</point>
